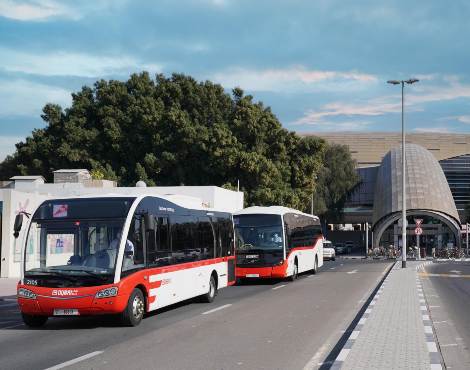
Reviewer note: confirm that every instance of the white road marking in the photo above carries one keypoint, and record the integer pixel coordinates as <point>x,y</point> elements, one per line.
<point>352,272</point>
<point>362,321</point>
<point>216,309</point>
<point>449,345</point>
<point>428,329</point>
<point>11,327</point>
<point>75,360</point>
<point>434,306</point>
<point>354,334</point>
<point>8,304</point>
<point>426,317</point>
<point>431,346</point>
<point>279,287</point>
<point>343,354</point>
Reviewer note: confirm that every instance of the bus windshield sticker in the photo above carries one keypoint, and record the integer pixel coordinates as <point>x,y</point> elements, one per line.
<point>60,210</point>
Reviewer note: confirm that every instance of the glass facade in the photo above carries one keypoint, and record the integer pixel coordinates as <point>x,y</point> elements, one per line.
<point>457,172</point>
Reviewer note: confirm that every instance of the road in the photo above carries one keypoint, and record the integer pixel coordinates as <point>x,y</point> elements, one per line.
<point>447,289</point>
<point>270,325</point>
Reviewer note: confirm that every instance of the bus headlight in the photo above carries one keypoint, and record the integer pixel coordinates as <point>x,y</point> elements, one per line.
<point>26,293</point>
<point>108,292</point>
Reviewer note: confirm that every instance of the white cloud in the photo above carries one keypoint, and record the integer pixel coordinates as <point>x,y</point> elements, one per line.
<point>332,126</point>
<point>25,98</point>
<point>432,129</point>
<point>296,78</point>
<point>370,108</point>
<point>71,64</point>
<point>7,145</point>
<point>35,10</point>
<point>415,97</point>
<point>464,119</point>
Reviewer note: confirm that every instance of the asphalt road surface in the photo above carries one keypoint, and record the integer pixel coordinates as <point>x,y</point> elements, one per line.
<point>447,289</point>
<point>268,325</point>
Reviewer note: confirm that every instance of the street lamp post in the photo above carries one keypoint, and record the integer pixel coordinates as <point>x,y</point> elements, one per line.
<point>403,159</point>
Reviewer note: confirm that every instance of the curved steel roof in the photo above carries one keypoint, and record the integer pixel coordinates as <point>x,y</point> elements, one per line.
<point>426,184</point>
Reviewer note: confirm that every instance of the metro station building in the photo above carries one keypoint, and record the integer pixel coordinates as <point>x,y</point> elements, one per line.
<point>437,185</point>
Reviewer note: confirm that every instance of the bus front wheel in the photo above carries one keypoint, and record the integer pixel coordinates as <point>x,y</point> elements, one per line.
<point>295,273</point>
<point>34,321</point>
<point>134,311</point>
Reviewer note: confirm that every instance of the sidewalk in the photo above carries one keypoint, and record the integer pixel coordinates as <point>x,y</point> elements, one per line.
<point>8,287</point>
<point>395,331</point>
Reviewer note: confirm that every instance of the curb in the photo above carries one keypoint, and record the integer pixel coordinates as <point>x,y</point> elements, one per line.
<point>338,354</point>
<point>432,343</point>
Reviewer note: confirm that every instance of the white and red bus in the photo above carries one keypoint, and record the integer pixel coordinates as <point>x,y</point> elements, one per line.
<point>121,255</point>
<point>277,242</point>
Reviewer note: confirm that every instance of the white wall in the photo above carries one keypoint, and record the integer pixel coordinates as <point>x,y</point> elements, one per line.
<point>13,202</point>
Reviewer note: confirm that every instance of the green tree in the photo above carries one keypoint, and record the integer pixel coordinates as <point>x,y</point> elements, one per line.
<point>175,130</point>
<point>337,179</point>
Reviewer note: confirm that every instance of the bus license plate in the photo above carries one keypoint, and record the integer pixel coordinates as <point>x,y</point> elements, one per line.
<point>66,312</point>
<point>252,275</point>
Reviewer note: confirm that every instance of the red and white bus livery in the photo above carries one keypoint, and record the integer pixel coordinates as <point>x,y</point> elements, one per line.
<point>277,242</point>
<point>121,255</point>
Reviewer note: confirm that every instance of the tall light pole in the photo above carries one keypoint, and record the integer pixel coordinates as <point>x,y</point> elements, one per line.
<point>403,160</point>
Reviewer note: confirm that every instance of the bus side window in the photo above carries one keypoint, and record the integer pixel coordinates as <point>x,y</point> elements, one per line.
<point>163,256</point>
<point>134,246</point>
<point>225,231</point>
<point>182,239</point>
<point>205,238</point>
<point>151,239</point>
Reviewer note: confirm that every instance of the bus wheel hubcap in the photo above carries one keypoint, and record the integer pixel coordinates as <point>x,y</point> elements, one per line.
<point>137,307</point>
<point>211,288</point>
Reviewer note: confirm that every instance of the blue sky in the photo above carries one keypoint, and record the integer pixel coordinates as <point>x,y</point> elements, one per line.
<point>322,65</point>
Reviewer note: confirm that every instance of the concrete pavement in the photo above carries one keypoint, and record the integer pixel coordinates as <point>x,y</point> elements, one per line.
<point>395,331</point>
<point>272,325</point>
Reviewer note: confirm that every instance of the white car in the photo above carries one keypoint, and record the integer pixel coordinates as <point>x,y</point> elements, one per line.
<point>328,251</point>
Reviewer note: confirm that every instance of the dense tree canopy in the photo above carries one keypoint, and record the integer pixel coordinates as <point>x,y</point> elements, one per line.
<point>172,131</point>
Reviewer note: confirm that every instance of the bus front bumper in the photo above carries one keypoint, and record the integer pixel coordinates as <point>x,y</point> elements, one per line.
<point>84,303</point>
<point>271,272</point>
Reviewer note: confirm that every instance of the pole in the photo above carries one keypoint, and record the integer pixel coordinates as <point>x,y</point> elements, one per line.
<point>417,244</point>
<point>311,209</point>
<point>403,159</point>
<point>367,238</point>
<point>466,237</point>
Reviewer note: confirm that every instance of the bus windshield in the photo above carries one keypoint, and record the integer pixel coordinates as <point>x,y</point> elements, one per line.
<point>259,232</point>
<point>84,250</point>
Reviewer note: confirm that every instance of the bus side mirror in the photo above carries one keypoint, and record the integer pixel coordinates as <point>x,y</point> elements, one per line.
<point>18,224</point>
<point>149,222</point>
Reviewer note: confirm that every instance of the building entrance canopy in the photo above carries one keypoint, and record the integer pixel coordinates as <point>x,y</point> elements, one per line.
<point>427,191</point>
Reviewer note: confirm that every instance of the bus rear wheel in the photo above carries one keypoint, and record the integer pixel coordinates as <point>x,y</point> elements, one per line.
<point>210,295</point>
<point>134,311</point>
<point>315,266</point>
<point>34,321</point>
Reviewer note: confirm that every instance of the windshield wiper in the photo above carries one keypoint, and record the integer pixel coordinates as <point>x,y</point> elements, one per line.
<point>94,274</point>
<point>55,273</point>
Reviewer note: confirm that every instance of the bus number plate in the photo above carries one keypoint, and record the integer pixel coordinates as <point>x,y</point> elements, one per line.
<point>252,275</point>
<point>66,312</point>
<point>252,256</point>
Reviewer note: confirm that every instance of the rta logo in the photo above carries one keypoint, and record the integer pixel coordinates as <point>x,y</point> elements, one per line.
<point>64,292</point>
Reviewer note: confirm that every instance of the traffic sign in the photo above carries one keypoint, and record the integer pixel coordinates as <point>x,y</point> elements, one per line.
<point>418,231</point>
<point>418,222</point>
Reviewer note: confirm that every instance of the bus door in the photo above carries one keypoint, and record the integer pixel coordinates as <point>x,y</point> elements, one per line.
<point>225,246</point>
